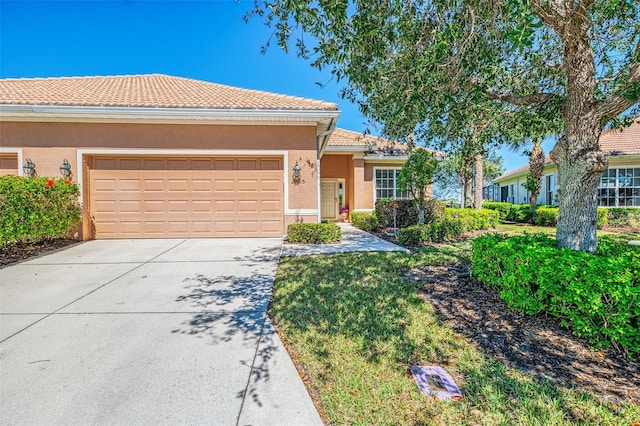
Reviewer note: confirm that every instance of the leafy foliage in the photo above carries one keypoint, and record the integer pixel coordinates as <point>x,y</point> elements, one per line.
<point>407,213</point>
<point>417,176</point>
<point>454,223</point>
<point>468,74</point>
<point>365,221</point>
<point>35,209</point>
<point>595,294</point>
<point>314,233</point>
<point>620,217</point>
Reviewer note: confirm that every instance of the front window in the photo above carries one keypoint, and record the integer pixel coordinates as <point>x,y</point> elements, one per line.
<point>619,188</point>
<point>387,185</point>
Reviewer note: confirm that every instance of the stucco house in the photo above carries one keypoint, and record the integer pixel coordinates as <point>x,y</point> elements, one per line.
<point>162,156</point>
<point>619,184</point>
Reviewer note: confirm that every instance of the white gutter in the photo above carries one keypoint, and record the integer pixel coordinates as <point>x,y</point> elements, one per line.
<point>101,113</point>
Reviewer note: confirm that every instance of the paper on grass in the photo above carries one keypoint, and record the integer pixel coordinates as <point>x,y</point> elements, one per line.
<point>435,382</point>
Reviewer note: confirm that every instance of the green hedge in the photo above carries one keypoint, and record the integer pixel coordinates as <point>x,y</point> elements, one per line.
<point>502,208</point>
<point>314,233</point>
<point>546,215</point>
<point>455,223</point>
<point>365,221</point>
<point>36,209</point>
<point>624,218</point>
<point>473,220</point>
<point>597,295</point>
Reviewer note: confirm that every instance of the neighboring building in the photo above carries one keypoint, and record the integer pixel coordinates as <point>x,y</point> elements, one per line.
<point>619,185</point>
<point>161,156</point>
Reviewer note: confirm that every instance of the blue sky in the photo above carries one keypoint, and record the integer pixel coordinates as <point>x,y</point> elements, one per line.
<point>205,40</point>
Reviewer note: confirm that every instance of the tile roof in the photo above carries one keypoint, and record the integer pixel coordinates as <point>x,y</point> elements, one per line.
<point>613,142</point>
<point>349,138</point>
<point>151,91</point>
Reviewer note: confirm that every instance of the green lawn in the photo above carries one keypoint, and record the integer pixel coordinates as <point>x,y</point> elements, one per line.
<point>356,324</point>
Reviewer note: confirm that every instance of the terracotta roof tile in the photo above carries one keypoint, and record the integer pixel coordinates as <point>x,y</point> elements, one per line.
<point>342,137</point>
<point>152,91</point>
<point>613,142</point>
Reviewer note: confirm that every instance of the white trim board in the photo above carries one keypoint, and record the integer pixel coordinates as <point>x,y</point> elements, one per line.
<point>15,151</point>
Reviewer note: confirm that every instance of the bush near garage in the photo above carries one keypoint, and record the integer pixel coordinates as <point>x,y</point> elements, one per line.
<point>596,295</point>
<point>314,233</point>
<point>38,209</point>
<point>365,221</point>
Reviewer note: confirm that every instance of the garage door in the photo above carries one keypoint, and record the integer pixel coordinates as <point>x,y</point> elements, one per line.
<point>8,164</point>
<point>135,197</point>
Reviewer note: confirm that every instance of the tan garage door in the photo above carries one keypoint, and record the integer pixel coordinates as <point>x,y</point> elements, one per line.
<point>135,197</point>
<point>8,164</point>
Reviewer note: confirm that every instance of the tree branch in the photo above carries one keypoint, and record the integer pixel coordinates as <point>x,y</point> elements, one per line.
<point>534,98</point>
<point>616,104</point>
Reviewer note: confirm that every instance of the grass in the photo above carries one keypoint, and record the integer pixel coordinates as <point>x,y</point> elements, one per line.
<point>356,324</point>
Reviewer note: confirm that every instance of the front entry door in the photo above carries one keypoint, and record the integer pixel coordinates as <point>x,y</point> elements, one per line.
<point>329,199</point>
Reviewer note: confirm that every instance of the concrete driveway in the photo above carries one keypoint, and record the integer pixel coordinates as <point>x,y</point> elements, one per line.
<point>147,332</point>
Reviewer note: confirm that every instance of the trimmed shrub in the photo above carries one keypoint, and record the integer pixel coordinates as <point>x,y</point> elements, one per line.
<point>624,218</point>
<point>412,236</point>
<point>434,211</point>
<point>603,217</point>
<point>365,221</point>
<point>314,233</point>
<point>472,220</point>
<point>36,209</point>
<point>406,215</point>
<point>520,213</point>
<point>594,294</point>
<point>502,208</point>
<point>545,216</point>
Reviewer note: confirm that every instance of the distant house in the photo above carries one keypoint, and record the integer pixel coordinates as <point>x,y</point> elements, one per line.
<point>160,156</point>
<point>619,185</point>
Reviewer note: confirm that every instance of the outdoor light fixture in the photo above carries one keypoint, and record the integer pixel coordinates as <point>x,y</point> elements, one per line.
<point>29,168</point>
<point>65,169</point>
<point>296,173</point>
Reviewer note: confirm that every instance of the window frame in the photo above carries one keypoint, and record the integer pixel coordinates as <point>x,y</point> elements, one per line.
<point>395,183</point>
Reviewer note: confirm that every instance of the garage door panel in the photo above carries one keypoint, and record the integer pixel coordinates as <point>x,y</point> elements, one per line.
<point>186,196</point>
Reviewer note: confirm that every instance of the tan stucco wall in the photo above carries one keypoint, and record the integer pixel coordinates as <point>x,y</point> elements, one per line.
<point>288,220</point>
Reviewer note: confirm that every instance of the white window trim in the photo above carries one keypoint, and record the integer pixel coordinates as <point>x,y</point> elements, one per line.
<point>375,169</point>
<point>18,152</point>
<point>616,188</point>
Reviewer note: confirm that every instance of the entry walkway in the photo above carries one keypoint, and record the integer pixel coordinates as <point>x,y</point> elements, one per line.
<point>353,240</point>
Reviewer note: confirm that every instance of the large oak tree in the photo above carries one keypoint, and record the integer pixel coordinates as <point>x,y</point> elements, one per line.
<point>570,66</point>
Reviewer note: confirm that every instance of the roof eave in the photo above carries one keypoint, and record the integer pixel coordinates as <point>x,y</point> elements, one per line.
<point>11,112</point>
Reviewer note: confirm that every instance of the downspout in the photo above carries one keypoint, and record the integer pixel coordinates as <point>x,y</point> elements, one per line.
<point>319,139</point>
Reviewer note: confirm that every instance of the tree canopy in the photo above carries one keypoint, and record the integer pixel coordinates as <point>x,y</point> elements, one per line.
<point>493,71</point>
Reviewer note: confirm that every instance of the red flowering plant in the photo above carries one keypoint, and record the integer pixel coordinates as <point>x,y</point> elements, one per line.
<point>37,208</point>
<point>344,210</point>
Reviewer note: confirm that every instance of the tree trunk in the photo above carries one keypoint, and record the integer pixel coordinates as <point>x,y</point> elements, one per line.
<point>467,193</point>
<point>478,182</point>
<point>536,167</point>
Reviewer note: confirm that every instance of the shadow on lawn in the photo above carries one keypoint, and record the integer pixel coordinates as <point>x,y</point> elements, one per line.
<point>366,299</point>
<point>231,307</point>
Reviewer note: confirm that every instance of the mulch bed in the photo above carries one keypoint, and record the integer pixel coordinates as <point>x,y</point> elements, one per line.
<point>534,344</point>
<point>16,252</point>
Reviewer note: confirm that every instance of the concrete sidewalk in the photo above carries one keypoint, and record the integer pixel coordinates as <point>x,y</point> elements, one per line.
<point>353,240</point>
<point>158,332</point>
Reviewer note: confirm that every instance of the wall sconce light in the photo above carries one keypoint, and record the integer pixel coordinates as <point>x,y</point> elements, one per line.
<point>65,169</point>
<point>296,173</point>
<point>29,168</point>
